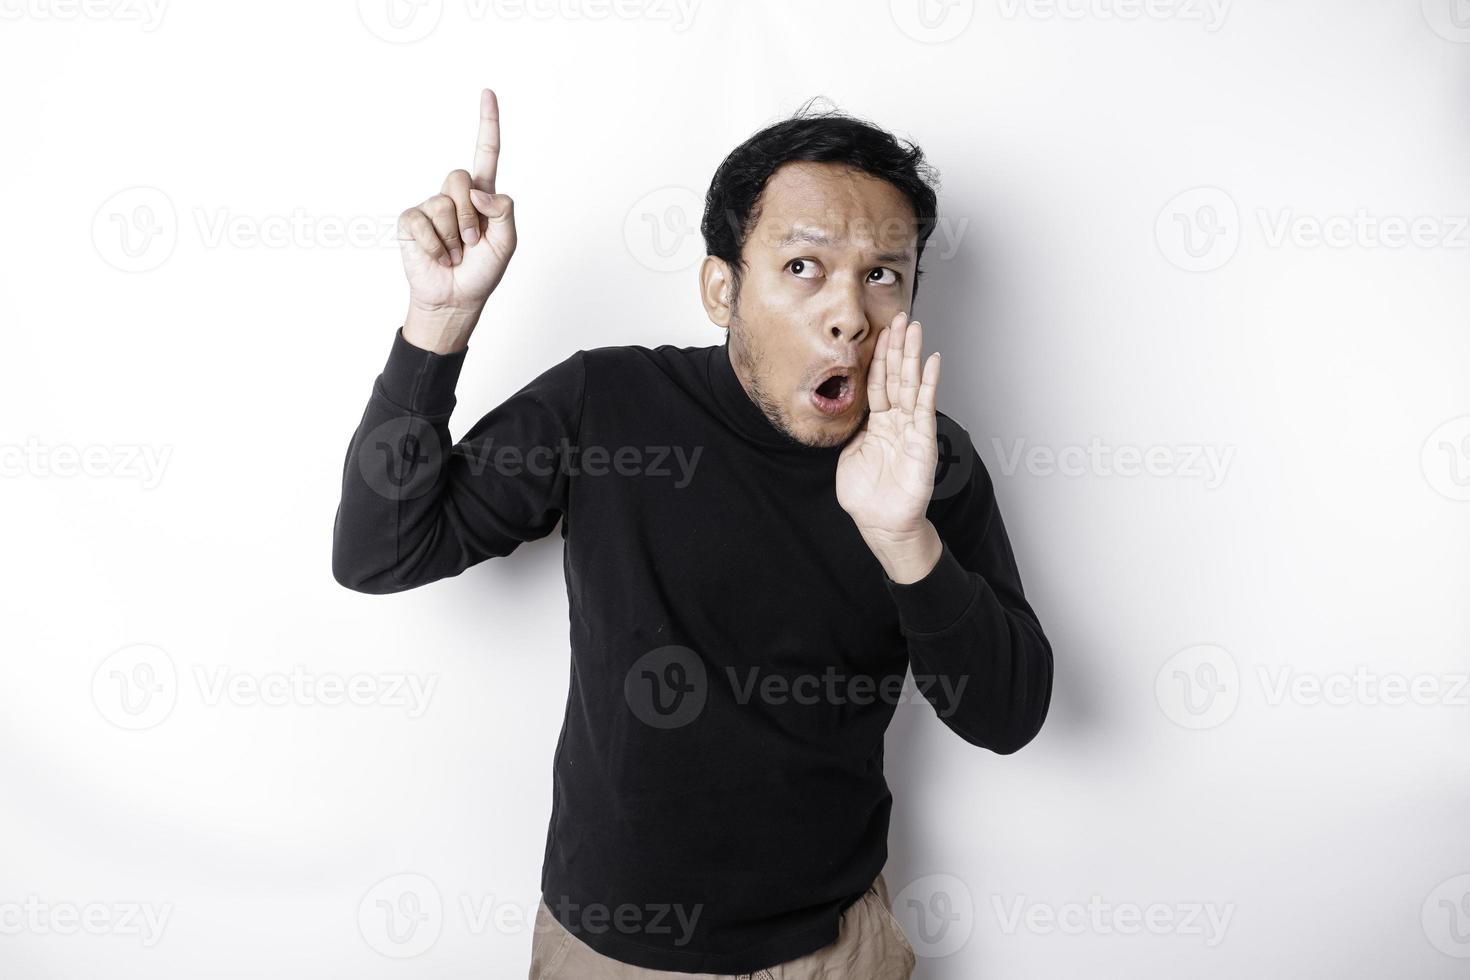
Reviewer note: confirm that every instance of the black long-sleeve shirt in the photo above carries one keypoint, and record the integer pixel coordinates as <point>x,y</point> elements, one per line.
<point>736,649</point>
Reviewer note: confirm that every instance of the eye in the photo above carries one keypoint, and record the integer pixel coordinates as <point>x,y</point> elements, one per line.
<point>882,271</point>
<point>800,268</point>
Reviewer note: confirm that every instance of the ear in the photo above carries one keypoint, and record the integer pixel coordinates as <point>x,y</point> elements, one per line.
<point>716,290</point>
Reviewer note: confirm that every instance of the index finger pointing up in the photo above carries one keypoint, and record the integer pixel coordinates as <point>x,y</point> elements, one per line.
<point>487,143</point>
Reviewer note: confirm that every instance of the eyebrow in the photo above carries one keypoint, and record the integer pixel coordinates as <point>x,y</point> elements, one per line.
<point>806,237</point>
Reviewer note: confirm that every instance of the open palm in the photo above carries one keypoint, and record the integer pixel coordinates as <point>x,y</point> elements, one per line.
<point>885,475</point>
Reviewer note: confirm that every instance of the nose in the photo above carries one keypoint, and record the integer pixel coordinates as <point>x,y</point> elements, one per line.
<point>847,322</point>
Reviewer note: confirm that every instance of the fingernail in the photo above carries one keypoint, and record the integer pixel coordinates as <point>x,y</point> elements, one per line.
<point>444,261</point>
<point>470,236</point>
<point>454,256</point>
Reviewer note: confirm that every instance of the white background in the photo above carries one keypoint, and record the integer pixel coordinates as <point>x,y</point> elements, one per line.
<point>177,180</point>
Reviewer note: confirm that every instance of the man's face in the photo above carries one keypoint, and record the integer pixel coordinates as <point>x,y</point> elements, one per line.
<point>829,263</point>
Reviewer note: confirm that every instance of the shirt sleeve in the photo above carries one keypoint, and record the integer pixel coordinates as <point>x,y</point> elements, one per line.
<point>417,507</point>
<point>977,649</point>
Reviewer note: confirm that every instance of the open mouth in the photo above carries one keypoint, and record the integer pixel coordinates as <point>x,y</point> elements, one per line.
<point>836,393</point>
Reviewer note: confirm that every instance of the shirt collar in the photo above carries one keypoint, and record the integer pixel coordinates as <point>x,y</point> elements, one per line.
<point>744,415</point>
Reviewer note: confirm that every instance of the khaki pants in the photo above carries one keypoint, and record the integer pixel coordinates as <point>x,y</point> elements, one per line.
<point>870,945</point>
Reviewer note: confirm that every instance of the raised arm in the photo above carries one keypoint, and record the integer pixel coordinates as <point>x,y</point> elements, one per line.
<point>415,506</point>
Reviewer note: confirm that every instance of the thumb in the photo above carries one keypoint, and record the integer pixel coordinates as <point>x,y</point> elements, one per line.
<point>496,207</point>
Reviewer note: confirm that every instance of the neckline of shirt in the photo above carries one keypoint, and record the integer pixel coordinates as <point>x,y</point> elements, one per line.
<point>745,415</point>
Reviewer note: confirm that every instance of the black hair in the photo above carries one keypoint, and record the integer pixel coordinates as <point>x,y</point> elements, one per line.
<point>731,206</point>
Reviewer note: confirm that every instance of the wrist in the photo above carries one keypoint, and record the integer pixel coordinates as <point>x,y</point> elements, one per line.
<point>906,558</point>
<point>443,330</point>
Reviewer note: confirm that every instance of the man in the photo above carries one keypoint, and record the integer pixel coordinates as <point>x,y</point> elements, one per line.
<point>756,551</point>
